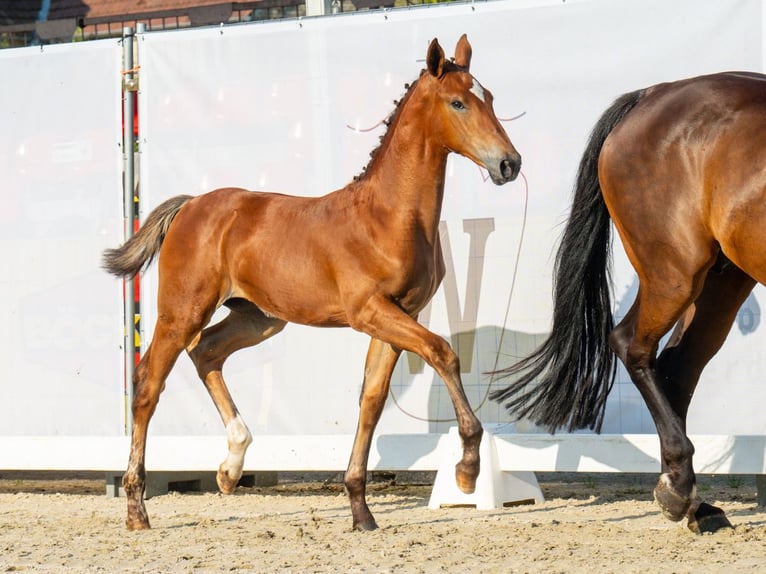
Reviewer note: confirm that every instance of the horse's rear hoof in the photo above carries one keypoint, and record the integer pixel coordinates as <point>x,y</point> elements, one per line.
<point>674,506</point>
<point>366,526</point>
<point>707,518</point>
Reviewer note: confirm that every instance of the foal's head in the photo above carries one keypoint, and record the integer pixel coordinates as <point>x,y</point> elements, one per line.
<point>461,114</point>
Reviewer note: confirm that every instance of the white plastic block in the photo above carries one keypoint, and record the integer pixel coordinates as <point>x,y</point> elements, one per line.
<point>494,488</point>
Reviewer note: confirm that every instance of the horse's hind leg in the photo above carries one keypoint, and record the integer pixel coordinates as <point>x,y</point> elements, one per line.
<point>148,382</point>
<point>380,362</point>
<point>635,341</point>
<point>680,364</point>
<point>666,384</point>
<point>245,326</point>
<point>696,342</point>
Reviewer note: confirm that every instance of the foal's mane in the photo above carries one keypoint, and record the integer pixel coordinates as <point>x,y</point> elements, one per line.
<point>390,121</point>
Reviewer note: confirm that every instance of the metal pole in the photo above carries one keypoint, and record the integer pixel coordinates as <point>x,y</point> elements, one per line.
<point>128,92</point>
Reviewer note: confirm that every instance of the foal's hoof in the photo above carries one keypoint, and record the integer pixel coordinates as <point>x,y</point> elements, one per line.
<point>674,506</point>
<point>366,525</point>
<point>137,523</point>
<point>225,482</point>
<point>137,518</point>
<point>707,518</point>
<point>465,476</point>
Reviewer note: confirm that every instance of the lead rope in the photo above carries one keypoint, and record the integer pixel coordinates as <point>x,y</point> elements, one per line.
<point>502,331</point>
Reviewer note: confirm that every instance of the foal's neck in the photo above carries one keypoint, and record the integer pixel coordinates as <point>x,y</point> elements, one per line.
<point>409,169</point>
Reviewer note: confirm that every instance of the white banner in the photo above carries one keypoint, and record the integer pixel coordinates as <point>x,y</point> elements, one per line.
<point>296,106</point>
<point>61,192</point>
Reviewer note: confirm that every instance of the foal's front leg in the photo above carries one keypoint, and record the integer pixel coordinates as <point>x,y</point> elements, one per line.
<point>380,363</point>
<point>383,319</point>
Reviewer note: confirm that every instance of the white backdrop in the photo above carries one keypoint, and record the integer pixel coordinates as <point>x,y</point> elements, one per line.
<point>283,107</point>
<point>61,194</point>
<point>268,106</point>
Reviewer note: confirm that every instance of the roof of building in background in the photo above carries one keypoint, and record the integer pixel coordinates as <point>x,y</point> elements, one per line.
<point>24,22</point>
<point>38,21</point>
<point>27,11</point>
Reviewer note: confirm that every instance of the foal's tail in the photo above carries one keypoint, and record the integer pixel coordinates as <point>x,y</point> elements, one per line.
<point>565,382</point>
<point>138,252</point>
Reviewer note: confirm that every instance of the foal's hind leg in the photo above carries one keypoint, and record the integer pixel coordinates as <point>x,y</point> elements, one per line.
<point>680,364</point>
<point>245,326</point>
<point>148,382</point>
<point>380,363</point>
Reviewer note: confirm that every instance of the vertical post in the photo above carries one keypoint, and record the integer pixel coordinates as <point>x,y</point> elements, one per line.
<point>128,185</point>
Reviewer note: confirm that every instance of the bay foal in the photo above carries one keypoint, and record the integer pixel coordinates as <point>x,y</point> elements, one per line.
<point>366,256</point>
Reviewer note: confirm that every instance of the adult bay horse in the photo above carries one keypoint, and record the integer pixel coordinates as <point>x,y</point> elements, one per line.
<point>680,169</point>
<point>366,256</point>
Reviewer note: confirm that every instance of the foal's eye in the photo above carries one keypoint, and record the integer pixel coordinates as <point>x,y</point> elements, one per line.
<point>457,105</point>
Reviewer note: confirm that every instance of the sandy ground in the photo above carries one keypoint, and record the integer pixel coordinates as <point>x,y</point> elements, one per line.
<point>589,523</point>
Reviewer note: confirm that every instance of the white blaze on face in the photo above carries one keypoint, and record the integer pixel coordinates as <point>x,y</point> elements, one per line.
<point>477,90</point>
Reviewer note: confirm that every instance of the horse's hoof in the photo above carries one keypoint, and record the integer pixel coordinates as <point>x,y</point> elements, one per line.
<point>137,524</point>
<point>366,525</point>
<point>225,483</point>
<point>674,506</point>
<point>465,476</point>
<point>707,518</point>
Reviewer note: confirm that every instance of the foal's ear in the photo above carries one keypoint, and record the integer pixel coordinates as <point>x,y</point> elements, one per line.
<point>463,52</point>
<point>435,58</point>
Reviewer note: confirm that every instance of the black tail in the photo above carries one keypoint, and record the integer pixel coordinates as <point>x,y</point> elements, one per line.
<point>139,251</point>
<point>566,381</point>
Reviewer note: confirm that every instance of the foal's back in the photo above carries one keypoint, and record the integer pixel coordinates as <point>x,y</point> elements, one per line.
<point>323,253</point>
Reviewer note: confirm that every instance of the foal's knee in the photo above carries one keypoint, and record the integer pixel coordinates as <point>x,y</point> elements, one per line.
<point>441,357</point>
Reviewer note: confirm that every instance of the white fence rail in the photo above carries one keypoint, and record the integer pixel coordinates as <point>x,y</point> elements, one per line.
<point>715,454</point>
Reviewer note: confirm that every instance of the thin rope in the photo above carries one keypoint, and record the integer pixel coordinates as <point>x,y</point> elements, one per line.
<point>502,331</point>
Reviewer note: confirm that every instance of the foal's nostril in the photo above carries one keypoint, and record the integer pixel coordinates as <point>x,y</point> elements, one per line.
<point>506,169</point>
<point>510,168</point>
